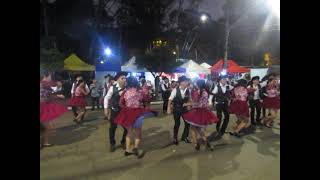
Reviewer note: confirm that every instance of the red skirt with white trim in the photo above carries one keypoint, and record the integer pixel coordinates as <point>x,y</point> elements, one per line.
<point>79,101</point>
<point>200,117</point>
<point>51,111</point>
<point>271,103</point>
<point>128,116</point>
<point>239,108</point>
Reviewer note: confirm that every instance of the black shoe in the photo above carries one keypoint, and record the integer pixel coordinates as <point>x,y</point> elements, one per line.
<point>235,134</point>
<point>186,140</point>
<point>128,153</point>
<point>175,141</point>
<point>209,147</point>
<point>112,148</point>
<point>197,147</point>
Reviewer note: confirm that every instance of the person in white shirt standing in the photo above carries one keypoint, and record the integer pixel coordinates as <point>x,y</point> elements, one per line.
<point>165,91</point>
<point>222,94</point>
<point>255,99</point>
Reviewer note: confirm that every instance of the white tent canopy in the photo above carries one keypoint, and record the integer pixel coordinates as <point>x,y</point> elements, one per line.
<point>131,67</point>
<point>193,67</point>
<point>205,65</point>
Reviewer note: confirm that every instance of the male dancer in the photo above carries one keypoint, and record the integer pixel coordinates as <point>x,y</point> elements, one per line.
<point>113,95</point>
<point>222,98</point>
<point>255,99</point>
<point>165,91</point>
<point>180,97</point>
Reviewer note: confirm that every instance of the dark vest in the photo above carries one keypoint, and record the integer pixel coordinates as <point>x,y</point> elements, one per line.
<point>115,99</point>
<point>251,95</point>
<point>178,101</point>
<point>221,97</point>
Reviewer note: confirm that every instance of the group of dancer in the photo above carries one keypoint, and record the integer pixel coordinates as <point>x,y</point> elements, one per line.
<point>127,104</point>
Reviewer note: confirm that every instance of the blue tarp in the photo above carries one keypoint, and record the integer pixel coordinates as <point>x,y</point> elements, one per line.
<point>110,65</point>
<point>180,70</point>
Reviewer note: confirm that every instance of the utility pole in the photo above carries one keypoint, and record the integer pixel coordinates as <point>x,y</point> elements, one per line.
<point>227,31</point>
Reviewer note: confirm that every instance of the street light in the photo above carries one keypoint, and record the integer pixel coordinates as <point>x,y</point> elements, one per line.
<point>223,72</point>
<point>108,51</point>
<point>275,6</point>
<point>204,18</point>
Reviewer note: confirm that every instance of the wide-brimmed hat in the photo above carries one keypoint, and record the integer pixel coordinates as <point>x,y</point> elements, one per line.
<point>255,78</point>
<point>120,74</point>
<point>182,78</point>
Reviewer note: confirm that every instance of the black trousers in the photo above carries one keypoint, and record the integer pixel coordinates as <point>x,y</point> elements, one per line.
<point>176,117</point>
<point>222,108</point>
<point>263,112</point>
<point>94,102</point>
<point>113,128</point>
<point>165,98</point>
<point>255,109</point>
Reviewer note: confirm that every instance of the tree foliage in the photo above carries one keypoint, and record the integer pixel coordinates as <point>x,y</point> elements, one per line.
<point>158,60</point>
<point>51,59</point>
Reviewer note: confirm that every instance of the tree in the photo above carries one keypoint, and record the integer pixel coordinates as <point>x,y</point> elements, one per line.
<point>159,59</point>
<point>51,59</point>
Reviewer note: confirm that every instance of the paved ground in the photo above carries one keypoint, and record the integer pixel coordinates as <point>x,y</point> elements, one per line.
<point>82,153</point>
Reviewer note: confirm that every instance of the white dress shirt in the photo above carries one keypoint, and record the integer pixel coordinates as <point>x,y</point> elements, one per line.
<point>163,88</point>
<point>174,93</point>
<point>256,92</point>
<point>109,95</point>
<point>215,91</point>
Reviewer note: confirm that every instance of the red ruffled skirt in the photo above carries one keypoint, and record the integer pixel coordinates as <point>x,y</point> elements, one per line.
<point>127,117</point>
<point>50,111</point>
<point>79,101</point>
<point>271,103</point>
<point>239,108</point>
<point>200,117</point>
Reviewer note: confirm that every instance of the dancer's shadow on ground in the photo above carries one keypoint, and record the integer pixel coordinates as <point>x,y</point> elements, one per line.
<point>154,139</point>
<point>221,161</point>
<point>267,141</point>
<point>71,134</point>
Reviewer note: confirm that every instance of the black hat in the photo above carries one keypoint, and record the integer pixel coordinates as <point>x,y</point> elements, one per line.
<point>255,78</point>
<point>241,82</point>
<point>164,78</point>
<point>182,78</point>
<point>142,77</point>
<point>120,74</point>
<point>222,77</point>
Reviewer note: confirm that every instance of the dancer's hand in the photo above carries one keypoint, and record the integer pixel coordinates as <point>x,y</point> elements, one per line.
<point>60,96</point>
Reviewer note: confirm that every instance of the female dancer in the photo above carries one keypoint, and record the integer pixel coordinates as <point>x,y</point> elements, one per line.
<point>79,101</point>
<point>49,109</point>
<point>147,93</point>
<point>200,116</point>
<point>239,107</point>
<point>271,102</point>
<point>132,115</point>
